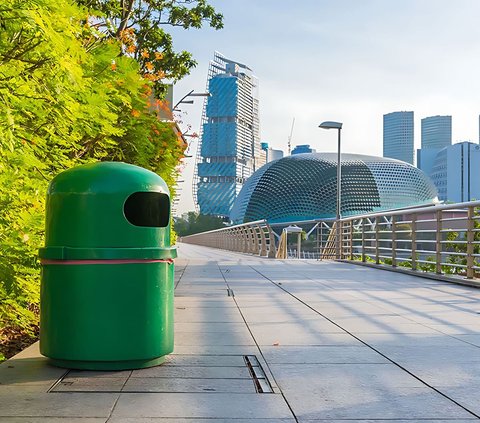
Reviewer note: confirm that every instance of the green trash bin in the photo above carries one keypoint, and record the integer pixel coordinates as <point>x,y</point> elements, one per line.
<point>107,269</point>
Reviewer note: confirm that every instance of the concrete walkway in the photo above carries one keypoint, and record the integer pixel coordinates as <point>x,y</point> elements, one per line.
<point>263,341</point>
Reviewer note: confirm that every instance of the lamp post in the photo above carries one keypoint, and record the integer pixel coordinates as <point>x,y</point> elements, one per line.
<point>190,94</point>
<point>337,125</point>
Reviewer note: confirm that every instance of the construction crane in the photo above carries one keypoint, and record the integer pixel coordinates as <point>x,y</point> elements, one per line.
<point>290,137</point>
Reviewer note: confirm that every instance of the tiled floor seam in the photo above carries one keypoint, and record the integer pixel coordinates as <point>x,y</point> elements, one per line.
<point>113,407</point>
<point>369,346</point>
<point>260,350</point>
<point>181,276</point>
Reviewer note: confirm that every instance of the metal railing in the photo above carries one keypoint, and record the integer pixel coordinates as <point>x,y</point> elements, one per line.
<point>253,237</point>
<point>442,239</point>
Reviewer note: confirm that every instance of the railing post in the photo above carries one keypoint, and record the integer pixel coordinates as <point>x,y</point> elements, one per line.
<point>299,244</point>
<point>363,239</point>
<point>377,237</point>
<point>239,243</point>
<point>251,240</point>
<point>470,242</point>
<point>394,241</point>
<point>413,237</point>
<point>245,240</point>
<point>263,241</point>
<point>234,240</point>
<point>340,239</point>
<point>272,249</point>
<point>258,239</point>
<point>351,239</point>
<point>438,243</point>
<point>231,239</point>
<point>320,250</point>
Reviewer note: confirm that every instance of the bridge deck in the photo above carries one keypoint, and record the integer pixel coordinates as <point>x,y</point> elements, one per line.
<point>332,341</point>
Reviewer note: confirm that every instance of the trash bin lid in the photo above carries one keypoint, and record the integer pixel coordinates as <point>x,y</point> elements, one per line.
<point>107,205</point>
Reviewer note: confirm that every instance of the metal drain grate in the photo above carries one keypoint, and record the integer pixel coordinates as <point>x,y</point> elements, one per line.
<point>180,373</point>
<point>262,384</point>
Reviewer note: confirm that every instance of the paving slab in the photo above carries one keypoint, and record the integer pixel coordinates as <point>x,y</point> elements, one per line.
<point>196,420</point>
<point>200,372</point>
<point>221,360</point>
<point>389,421</point>
<point>207,314</point>
<point>193,406</point>
<point>85,384</point>
<point>213,338</point>
<point>216,349</point>
<point>382,324</point>
<point>35,402</point>
<point>53,419</point>
<point>284,354</point>
<point>189,385</point>
<point>194,301</point>
<point>380,347</point>
<point>352,391</point>
<point>473,339</point>
<point>210,327</point>
<point>29,368</point>
<point>308,333</point>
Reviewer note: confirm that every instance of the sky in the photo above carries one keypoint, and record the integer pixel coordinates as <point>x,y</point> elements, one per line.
<point>350,61</point>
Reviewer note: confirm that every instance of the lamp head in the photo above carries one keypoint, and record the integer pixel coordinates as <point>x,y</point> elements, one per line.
<point>205,94</point>
<point>330,125</point>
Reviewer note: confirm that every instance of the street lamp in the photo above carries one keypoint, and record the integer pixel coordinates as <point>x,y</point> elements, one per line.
<point>337,125</point>
<point>190,94</point>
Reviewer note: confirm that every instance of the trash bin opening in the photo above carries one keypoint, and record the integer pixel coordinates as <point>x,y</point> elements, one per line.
<point>147,209</point>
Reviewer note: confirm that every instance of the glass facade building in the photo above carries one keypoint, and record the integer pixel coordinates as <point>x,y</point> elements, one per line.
<point>304,187</point>
<point>398,136</point>
<point>455,172</point>
<point>229,150</point>
<point>436,134</point>
<point>305,148</point>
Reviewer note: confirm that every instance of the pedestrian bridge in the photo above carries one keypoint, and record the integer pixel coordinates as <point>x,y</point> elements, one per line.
<point>259,340</point>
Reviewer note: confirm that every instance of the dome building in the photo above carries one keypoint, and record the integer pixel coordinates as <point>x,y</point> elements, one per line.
<point>303,187</point>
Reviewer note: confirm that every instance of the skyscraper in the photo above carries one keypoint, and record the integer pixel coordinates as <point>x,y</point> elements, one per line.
<point>229,150</point>
<point>436,132</point>
<point>398,136</point>
<point>455,172</point>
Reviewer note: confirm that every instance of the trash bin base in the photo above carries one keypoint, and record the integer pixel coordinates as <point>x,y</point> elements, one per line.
<point>107,365</point>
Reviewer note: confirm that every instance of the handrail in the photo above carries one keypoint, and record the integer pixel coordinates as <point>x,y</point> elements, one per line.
<point>256,222</point>
<point>448,242</point>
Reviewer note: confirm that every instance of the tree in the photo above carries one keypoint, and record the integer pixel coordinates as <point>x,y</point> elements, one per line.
<point>194,223</point>
<point>70,95</point>
<point>140,26</point>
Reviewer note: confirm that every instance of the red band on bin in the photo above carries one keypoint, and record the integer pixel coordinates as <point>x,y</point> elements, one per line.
<point>126,261</point>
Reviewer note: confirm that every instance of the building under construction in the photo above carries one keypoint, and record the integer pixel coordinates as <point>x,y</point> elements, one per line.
<point>229,150</point>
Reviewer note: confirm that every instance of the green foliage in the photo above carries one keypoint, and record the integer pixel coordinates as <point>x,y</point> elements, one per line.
<point>428,267</point>
<point>369,259</point>
<point>69,96</point>
<point>140,26</point>
<point>194,223</point>
<point>405,263</point>
<point>454,246</point>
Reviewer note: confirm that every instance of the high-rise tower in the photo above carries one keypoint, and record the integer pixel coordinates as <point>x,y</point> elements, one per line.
<point>398,136</point>
<point>436,132</point>
<point>455,172</point>
<point>229,150</point>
